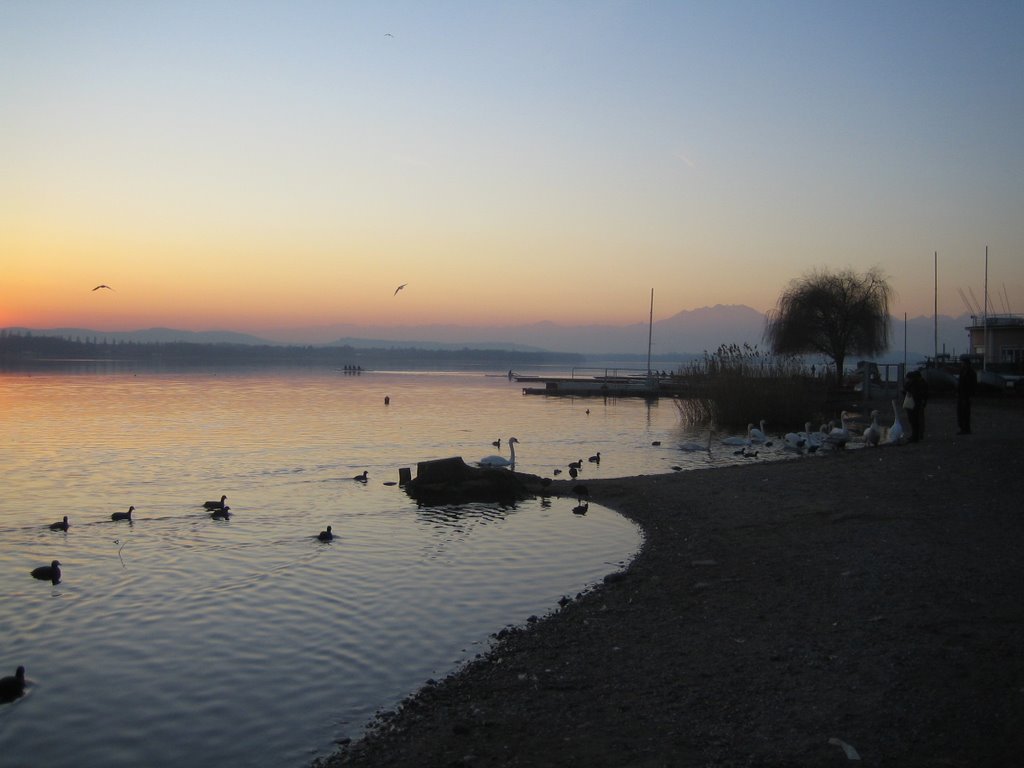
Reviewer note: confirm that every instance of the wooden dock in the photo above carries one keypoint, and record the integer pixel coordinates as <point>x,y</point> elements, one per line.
<point>602,386</point>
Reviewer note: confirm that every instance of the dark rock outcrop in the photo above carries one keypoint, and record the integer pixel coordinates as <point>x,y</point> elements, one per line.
<point>452,481</point>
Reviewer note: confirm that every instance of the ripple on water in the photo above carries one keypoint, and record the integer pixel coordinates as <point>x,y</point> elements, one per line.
<point>248,641</point>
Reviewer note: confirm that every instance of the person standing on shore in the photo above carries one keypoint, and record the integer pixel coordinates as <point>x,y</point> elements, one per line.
<point>916,388</point>
<point>966,385</point>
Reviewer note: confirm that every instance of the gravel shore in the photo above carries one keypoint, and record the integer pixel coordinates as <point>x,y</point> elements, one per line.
<point>861,608</point>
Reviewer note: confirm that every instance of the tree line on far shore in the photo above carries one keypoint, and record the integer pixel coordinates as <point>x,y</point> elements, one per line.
<point>25,350</point>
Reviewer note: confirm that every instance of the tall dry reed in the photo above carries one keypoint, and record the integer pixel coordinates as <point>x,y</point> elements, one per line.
<point>737,385</point>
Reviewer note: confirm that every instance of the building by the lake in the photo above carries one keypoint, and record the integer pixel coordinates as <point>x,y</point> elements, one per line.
<point>998,342</point>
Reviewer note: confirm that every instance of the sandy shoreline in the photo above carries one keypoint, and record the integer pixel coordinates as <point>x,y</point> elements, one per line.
<point>779,614</point>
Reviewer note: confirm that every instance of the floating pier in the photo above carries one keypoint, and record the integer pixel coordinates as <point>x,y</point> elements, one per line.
<point>606,384</point>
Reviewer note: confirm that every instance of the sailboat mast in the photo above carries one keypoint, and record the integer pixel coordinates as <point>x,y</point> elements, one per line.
<point>935,311</point>
<point>650,333</point>
<point>984,360</point>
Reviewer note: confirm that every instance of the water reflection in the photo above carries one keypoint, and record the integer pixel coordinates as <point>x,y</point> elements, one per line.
<point>263,609</point>
<point>458,515</point>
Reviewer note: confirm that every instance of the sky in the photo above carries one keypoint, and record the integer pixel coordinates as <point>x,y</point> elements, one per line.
<point>265,165</point>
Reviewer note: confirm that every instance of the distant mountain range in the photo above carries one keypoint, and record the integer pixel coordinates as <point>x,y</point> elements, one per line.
<point>684,334</point>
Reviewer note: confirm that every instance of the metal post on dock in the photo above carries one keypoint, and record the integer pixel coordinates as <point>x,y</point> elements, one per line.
<point>650,336</point>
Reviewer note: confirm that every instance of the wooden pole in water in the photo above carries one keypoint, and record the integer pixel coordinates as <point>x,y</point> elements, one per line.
<point>650,334</point>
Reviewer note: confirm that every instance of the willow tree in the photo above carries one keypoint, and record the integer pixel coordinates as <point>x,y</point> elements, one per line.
<point>835,314</point>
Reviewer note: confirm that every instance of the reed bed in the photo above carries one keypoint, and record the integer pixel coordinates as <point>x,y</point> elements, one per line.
<point>737,385</point>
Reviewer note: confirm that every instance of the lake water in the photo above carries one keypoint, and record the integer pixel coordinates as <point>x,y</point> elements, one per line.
<point>177,639</point>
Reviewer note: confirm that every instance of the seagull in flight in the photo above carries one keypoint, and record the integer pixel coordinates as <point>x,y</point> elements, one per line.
<point>103,286</point>
<point>399,288</point>
<point>388,34</point>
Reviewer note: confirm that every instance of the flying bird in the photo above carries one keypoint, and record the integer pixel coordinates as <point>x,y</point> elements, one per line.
<point>388,34</point>
<point>399,288</point>
<point>103,286</point>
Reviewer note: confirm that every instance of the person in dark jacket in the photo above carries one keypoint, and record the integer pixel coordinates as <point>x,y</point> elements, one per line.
<point>917,388</point>
<point>965,388</point>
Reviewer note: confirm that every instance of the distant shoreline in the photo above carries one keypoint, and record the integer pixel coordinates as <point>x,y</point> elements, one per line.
<point>31,352</point>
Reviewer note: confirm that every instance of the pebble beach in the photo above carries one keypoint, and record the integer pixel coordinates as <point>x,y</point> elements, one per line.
<point>860,608</point>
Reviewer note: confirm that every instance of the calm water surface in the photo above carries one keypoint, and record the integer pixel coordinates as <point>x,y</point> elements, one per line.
<point>181,640</point>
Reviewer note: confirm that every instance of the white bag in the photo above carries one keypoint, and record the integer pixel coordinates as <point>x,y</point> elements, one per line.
<point>908,402</point>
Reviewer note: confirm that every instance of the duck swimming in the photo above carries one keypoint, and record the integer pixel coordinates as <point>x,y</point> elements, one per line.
<point>61,525</point>
<point>215,504</point>
<point>49,572</point>
<point>11,687</point>
<point>123,515</point>
<point>326,535</point>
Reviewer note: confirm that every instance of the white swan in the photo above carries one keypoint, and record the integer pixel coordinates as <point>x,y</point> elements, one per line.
<point>839,436</point>
<point>756,434</point>
<point>501,461</point>
<point>737,440</point>
<point>795,441</point>
<point>817,438</point>
<point>896,430</point>
<point>873,434</point>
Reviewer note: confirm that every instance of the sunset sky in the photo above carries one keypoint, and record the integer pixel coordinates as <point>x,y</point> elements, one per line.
<point>260,165</point>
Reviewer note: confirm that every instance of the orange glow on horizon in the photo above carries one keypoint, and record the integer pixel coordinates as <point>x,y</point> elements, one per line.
<point>241,187</point>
